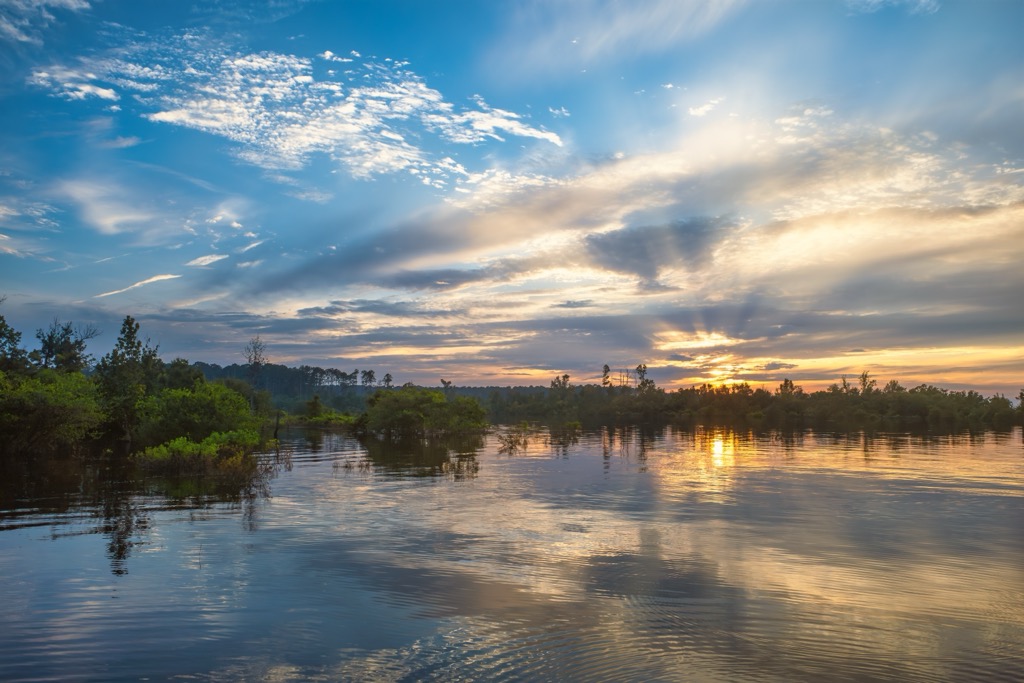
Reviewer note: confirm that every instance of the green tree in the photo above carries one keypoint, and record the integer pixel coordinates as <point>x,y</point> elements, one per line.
<point>314,408</point>
<point>416,412</point>
<point>123,376</point>
<point>195,413</point>
<point>47,412</point>
<point>179,374</point>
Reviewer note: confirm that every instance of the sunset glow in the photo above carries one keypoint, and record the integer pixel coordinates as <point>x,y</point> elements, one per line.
<point>499,193</point>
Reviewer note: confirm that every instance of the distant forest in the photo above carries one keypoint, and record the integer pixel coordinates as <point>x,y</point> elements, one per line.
<point>845,405</point>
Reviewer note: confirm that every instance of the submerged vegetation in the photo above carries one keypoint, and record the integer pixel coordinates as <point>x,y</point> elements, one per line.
<point>414,412</point>
<point>223,453</point>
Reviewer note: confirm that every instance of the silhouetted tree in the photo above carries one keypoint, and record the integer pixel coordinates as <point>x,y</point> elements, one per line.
<point>13,358</point>
<point>62,346</point>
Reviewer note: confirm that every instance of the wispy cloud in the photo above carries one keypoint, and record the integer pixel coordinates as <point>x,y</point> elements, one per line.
<point>141,283</point>
<point>207,260</point>
<point>913,6</point>
<point>104,206</point>
<point>121,142</point>
<point>24,21</point>
<point>705,108</point>
<point>548,37</point>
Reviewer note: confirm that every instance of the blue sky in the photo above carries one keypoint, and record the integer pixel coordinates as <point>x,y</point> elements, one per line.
<point>499,192</point>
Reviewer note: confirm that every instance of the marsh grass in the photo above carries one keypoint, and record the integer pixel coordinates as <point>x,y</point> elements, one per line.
<point>514,439</point>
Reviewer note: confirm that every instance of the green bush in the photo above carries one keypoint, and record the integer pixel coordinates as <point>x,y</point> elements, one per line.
<point>219,453</point>
<point>47,412</point>
<point>415,412</point>
<point>194,413</point>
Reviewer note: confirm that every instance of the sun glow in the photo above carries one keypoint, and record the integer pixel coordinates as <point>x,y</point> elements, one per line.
<point>674,340</point>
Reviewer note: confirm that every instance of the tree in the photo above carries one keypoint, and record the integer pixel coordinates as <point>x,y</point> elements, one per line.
<point>643,384</point>
<point>124,375</point>
<point>605,381</point>
<point>179,374</point>
<point>788,388</point>
<point>255,358</point>
<point>369,378</point>
<point>62,346</point>
<point>48,411</point>
<point>641,372</point>
<point>560,384</point>
<point>388,381</point>
<point>12,357</point>
<point>414,412</point>
<point>193,412</point>
<point>893,386</point>
<point>867,385</point>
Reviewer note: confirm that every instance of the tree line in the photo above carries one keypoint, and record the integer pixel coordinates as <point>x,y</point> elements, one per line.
<point>58,396</point>
<point>844,405</point>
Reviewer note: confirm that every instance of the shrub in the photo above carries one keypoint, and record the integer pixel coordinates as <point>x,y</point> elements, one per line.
<point>47,412</point>
<point>194,413</point>
<point>416,412</point>
<point>221,453</point>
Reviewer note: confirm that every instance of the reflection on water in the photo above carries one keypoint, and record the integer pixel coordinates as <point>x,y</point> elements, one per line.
<point>620,554</point>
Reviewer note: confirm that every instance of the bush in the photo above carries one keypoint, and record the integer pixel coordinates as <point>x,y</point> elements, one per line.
<point>47,412</point>
<point>222,453</point>
<point>415,412</point>
<point>194,413</point>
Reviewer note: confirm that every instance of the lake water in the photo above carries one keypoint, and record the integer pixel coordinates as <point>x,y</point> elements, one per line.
<point>625,556</point>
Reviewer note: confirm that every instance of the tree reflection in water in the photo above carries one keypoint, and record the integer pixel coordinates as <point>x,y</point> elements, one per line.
<point>453,457</point>
<point>106,495</point>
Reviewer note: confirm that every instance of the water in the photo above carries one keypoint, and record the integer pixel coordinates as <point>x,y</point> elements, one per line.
<point>696,556</point>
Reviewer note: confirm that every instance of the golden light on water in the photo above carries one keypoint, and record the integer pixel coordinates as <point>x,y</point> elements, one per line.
<point>718,451</point>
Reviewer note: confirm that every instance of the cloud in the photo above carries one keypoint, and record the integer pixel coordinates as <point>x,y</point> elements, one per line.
<point>588,303</point>
<point>551,37</point>
<point>141,283</point>
<point>24,21</point>
<point>103,205</point>
<point>646,250</point>
<point>121,142</point>
<point>71,84</point>
<point>705,108</point>
<point>281,113</point>
<point>912,6</point>
<point>207,260</point>
<point>483,123</point>
<point>777,365</point>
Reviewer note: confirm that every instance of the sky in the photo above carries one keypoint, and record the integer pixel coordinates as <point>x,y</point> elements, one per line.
<point>502,192</point>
